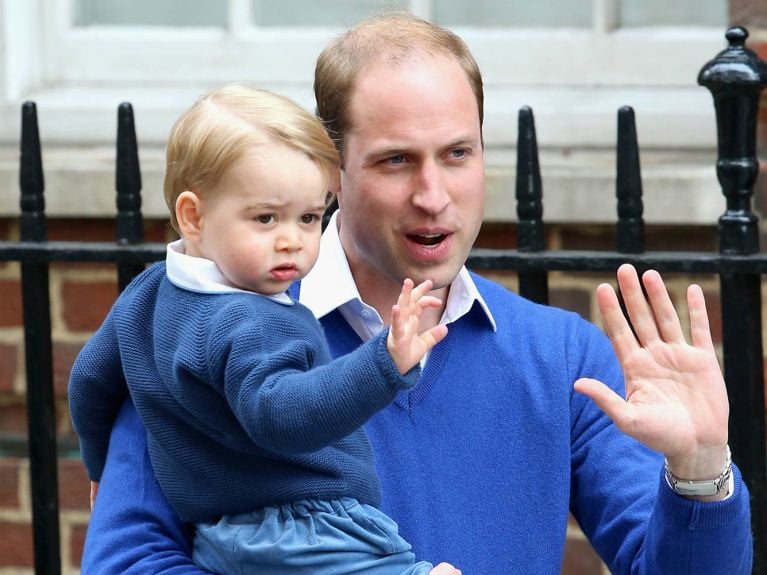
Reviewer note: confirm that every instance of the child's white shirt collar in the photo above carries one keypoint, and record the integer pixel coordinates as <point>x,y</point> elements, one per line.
<point>202,275</point>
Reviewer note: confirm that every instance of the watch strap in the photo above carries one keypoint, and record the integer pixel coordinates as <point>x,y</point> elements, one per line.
<point>698,488</point>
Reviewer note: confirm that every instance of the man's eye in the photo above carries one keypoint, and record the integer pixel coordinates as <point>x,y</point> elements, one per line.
<point>265,218</point>
<point>458,153</point>
<point>398,159</point>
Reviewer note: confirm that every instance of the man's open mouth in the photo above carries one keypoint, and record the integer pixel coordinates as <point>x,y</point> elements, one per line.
<point>427,239</point>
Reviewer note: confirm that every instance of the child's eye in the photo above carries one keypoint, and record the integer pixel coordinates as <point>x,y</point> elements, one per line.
<point>310,218</point>
<point>266,218</point>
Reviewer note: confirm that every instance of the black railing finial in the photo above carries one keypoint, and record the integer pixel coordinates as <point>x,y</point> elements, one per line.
<point>32,203</point>
<point>529,195</point>
<point>529,189</point>
<point>628,186</point>
<point>736,77</point>
<point>130,222</point>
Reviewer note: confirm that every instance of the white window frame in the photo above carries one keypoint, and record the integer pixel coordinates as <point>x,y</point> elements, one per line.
<point>570,77</point>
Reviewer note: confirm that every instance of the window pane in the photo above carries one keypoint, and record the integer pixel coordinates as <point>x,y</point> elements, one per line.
<point>676,13</point>
<point>177,13</point>
<point>514,13</point>
<point>295,13</point>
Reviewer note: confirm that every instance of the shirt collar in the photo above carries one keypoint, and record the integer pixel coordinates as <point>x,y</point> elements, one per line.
<point>201,275</point>
<point>330,284</point>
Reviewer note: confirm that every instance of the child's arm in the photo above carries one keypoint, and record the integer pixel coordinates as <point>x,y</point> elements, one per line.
<point>96,391</point>
<point>286,395</point>
<point>406,346</point>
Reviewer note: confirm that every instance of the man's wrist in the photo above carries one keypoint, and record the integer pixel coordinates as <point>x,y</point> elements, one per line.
<point>701,488</point>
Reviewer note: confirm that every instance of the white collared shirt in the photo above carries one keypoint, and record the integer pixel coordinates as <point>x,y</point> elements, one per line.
<point>330,285</point>
<point>202,275</point>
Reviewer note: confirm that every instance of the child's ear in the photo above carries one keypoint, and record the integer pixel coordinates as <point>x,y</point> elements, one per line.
<point>189,214</point>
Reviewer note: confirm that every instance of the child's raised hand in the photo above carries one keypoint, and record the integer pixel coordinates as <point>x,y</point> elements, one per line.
<point>406,346</point>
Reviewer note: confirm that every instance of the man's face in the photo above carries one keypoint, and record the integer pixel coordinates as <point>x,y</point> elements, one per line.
<point>412,187</point>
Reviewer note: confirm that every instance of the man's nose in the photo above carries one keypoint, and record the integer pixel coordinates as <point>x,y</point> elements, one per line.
<point>430,190</point>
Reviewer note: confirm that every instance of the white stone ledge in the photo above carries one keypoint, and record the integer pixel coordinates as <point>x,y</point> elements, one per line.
<point>578,187</point>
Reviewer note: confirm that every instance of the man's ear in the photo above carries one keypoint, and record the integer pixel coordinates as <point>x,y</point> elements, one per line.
<point>189,214</point>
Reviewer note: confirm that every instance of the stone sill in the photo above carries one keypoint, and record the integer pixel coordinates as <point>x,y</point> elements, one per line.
<point>579,187</point>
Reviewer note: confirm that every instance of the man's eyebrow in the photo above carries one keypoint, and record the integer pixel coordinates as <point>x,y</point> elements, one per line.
<point>468,141</point>
<point>385,151</point>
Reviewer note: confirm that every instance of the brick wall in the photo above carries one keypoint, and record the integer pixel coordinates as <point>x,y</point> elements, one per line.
<point>82,294</point>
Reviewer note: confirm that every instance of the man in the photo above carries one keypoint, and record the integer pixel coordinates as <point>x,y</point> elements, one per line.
<point>482,460</point>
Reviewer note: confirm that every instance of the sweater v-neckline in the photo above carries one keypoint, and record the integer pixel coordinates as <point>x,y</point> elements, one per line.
<point>342,339</point>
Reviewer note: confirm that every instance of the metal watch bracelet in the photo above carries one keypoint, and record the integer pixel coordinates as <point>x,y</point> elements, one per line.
<point>704,488</point>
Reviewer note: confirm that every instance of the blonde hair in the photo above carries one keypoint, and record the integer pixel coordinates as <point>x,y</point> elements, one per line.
<point>226,123</point>
<point>391,37</point>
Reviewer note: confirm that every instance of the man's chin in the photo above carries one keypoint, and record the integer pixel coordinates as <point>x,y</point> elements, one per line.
<point>441,276</point>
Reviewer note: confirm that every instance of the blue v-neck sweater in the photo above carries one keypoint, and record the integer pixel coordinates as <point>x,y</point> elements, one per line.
<point>482,460</point>
<point>480,464</point>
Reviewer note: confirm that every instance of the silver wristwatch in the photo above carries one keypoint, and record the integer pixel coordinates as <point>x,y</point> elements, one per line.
<point>704,488</point>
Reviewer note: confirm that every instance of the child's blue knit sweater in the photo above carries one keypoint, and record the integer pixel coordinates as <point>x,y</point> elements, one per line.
<point>241,403</point>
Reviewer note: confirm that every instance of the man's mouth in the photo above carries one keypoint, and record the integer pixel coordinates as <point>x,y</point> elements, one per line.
<point>427,239</point>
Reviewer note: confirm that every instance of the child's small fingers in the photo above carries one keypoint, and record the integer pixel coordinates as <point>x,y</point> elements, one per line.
<point>429,301</point>
<point>405,295</point>
<point>396,327</point>
<point>435,335</point>
<point>422,288</point>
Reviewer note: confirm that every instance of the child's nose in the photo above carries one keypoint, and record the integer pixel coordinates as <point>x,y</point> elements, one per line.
<point>289,239</point>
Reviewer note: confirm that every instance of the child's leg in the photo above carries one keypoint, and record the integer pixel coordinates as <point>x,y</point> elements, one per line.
<point>339,537</point>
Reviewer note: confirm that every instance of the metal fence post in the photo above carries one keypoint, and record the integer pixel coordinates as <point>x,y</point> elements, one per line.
<point>529,195</point>
<point>38,352</point>
<point>736,78</point>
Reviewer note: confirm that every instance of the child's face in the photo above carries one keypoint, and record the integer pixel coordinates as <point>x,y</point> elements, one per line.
<point>261,224</point>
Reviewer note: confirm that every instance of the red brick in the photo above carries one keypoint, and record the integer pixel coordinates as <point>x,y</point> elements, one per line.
<point>580,558</point>
<point>86,230</point>
<point>16,544</point>
<point>100,230</point>
<point>9,483</point>
<point>86,304</point>
<point>576,300</point>
<point>714,309</point>
<point>159,231</point>
<point>74,487</point>
<point>13,417</point>
<point>10,310</point>
<point>64,355</point>
<point>497,236</point>
<point>8,364</point>
<point>76,543</point>
<point>760,48</point>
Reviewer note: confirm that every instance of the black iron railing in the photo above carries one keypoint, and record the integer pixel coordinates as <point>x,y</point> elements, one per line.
<point>735,77</point>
